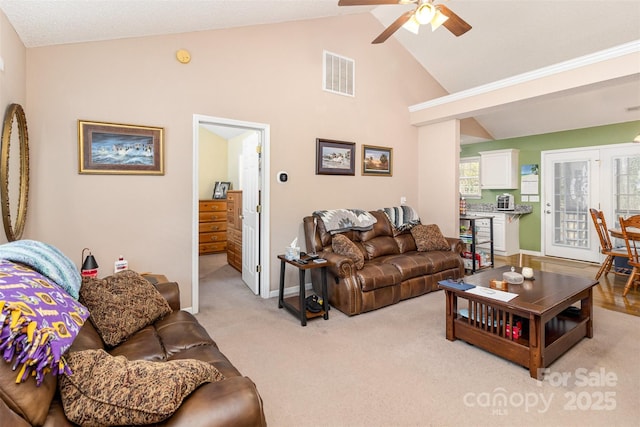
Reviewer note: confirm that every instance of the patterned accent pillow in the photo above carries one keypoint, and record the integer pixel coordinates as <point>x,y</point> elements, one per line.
<point>108,390</point>
<point>122,304</point>
<point>429,238</point>
<point>343,246</point>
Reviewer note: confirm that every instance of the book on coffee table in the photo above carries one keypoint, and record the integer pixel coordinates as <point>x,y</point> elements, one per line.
<point>460,286</point>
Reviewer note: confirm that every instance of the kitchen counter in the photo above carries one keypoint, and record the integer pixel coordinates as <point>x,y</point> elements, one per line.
<point>491,208</point>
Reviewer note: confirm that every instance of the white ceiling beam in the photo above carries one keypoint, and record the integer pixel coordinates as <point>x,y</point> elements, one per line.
<point>615,64</point>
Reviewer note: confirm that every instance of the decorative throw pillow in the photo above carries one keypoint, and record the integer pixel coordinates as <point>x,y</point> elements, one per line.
<point>107,390</point>
<point>429,238</point>
<point>122,304</point>
<point>343,246</point>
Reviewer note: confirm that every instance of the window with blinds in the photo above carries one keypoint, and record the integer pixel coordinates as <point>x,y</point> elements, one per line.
<point>469,168</point>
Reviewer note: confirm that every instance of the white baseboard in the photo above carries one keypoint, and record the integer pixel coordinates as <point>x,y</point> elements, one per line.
<point>532,253</point>
<point>291,290</point>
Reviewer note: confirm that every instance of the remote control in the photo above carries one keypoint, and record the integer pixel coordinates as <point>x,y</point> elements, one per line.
<point>301,261</point>
<point>319,261</point>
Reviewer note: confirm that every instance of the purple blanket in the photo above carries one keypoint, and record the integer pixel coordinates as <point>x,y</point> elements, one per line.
<point>39,322</point>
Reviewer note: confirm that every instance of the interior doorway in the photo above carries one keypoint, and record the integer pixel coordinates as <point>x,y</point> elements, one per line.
<point>251,171</point>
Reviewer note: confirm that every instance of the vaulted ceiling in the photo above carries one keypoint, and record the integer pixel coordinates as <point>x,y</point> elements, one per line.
<point>508,38</point>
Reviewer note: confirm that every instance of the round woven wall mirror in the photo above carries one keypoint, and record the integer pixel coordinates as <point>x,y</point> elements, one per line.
<point>14,171</point>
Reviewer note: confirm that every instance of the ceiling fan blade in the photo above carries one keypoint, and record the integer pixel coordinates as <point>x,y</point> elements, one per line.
<point>393,27</point>
<point>455,24</point>
<point>370,2</point>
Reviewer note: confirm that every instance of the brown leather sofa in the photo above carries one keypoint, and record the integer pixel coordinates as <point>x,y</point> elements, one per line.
<point>393,270</point>
<point>234,401</point>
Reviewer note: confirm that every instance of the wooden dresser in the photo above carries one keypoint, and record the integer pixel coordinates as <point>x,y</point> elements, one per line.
<point>212,217</point>
<point>234,229</point>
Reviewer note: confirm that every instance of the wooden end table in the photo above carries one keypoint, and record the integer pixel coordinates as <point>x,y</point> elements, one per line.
<point>297,304</point>
<point>548,331</point>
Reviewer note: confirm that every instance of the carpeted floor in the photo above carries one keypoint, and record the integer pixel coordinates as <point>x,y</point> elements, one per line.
<point>394,367</point>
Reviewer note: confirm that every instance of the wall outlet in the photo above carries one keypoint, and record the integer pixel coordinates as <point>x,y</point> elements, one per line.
<point>403,200</point>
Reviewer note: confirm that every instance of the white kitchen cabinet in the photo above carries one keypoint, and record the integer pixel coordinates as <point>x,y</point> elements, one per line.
<point>499,169</point>
<point>506,232</point>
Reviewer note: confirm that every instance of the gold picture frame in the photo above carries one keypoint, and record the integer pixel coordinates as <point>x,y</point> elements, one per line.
<point>111,148</point>
<point>377,161</point>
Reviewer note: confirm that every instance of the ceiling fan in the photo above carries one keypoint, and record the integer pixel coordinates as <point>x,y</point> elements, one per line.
<point>426,12</point>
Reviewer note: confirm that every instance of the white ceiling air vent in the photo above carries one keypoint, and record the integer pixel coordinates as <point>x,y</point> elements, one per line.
<point>339,74</point>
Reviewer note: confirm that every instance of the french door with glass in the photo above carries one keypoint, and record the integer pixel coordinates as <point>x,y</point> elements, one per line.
<point>606,178</point>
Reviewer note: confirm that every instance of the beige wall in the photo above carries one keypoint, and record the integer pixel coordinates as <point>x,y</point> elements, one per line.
<point>233,159</point>
<point>212,162</point>
<point>14,56</point>
<point>12,90</point>
<point>265,74</point>
<point>439,155</point>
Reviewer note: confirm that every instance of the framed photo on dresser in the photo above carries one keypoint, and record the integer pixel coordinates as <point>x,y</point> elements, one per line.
<point>220,189</point>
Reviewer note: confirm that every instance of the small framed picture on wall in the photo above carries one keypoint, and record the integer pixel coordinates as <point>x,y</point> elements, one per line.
<point>335,157</point>
<point>377,160</point>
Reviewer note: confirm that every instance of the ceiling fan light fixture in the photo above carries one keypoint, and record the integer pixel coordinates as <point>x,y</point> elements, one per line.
<point>412,25</point>
<point>425,13</point>
<point>438,19</point>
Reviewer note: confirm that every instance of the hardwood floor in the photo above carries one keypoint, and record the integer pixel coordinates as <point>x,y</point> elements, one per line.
<point>607,294</point>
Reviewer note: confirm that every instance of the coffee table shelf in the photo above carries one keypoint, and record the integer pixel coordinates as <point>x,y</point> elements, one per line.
<point>547,331</point>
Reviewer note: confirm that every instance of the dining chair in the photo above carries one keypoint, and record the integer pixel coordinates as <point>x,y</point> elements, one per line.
<point>631,233</point>
<point>606,247</point>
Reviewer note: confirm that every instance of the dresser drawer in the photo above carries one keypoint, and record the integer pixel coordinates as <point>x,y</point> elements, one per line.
<point>212,216</point>
<point>205,248</point>
<point>208,227</point>
<point>232,196</point>
<point>218,236</point>
<point>212,205</point>
<point>235,236</point>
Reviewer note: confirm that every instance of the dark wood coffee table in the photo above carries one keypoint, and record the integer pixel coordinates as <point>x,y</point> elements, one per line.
<point>548,330</point>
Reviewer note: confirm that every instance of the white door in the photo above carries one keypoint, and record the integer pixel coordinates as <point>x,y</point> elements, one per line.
<point>606,178</point>
<point>620,183</point>
<point>571,187</point>
<point>250,178</point>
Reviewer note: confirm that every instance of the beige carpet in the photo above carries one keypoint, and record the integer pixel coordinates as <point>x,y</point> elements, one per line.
<point>394,367</point>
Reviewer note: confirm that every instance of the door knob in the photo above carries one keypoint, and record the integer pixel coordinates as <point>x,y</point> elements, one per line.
<point>547,211</point>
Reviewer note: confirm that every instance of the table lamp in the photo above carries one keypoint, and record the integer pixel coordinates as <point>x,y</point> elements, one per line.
<point>89,265</point>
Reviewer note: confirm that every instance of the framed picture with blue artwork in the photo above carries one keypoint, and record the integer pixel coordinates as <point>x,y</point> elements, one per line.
<point>111,148</point>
